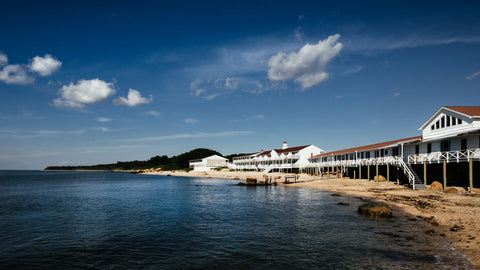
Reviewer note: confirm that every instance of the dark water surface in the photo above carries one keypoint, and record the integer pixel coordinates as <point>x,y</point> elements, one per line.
<point>105,220</point>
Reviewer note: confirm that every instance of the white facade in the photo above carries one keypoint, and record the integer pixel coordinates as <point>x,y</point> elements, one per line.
<point>208,163</point>
<point>284,159</point>
<point>447,122</point>
<point>452,134</point>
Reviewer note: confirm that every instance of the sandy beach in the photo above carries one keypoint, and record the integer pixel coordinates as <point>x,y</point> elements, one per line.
<point>452,216</point>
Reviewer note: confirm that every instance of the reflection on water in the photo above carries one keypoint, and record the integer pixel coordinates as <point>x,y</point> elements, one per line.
<point>118,220</point>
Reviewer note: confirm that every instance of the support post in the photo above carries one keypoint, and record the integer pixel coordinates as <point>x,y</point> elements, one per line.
<point>470,173</point>
<point>388,172</point>
<point>354,172</point>
<point>368,172</point>
<point>376,171</point>
<point>425,173</point>
<point>359,172</point>
<point>444,174</point>
<point>398,175</point>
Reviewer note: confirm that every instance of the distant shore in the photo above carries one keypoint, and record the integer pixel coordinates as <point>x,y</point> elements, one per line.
<point>454,217</point>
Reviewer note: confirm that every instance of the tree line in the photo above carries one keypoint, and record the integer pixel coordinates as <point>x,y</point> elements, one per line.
<point>163,162</point>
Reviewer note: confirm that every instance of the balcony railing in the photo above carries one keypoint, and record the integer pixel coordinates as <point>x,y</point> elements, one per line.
<point>451,156</point>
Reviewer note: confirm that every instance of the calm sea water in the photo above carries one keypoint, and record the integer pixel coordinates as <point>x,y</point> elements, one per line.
<point>105,220</point>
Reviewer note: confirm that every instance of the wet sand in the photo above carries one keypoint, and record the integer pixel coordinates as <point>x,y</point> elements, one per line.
<point>454,217</point>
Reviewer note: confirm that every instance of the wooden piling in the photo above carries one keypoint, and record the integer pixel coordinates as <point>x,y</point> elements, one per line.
<point>398,175</point>
<point>470,174</point>
<point>376,171</point>
<point>388,172</point>
<point>444,174</point>
<point>354,174</point>
<point>368,172</point>
<point>359,172</point>
<point>425,173</point>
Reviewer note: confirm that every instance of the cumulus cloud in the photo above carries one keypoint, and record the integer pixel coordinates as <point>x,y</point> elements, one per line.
<point>472,76</point>
<point>45,66</point>
<point>133,99</point>
<point>307,66</point>
<point>84,92</point>
<point>396,94</point>
<point>15,74</point>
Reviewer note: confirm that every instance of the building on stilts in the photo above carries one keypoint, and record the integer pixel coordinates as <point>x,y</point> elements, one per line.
<point>448,151</point>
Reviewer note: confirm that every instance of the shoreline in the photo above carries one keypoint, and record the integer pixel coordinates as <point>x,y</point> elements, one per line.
<point>451,216</point>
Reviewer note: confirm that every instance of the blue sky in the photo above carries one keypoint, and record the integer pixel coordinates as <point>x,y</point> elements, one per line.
<point>86,83</point>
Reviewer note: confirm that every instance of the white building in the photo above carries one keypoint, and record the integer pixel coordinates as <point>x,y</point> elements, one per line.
<point>286,159</point>
<point>451,135</point>
<point>208,163</point>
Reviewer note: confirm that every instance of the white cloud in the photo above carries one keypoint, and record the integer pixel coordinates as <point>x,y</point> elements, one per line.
<point>103,119</point>
<point>298,33</point>
<point>133,99</point>
<point>307,66</point>
<point>45,66</point>
<point>84,92</point>
<point>195,87</point>
<point>154,113</point>
<point>191,120</point>
<point>15,74</point>
<point>231,82</point>
<point>191,136</point>
<point>3,59</point>
<point>472,76</point>
<point>396,94</point>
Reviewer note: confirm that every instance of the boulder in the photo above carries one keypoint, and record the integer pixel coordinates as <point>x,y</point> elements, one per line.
<point>251,181</point>
<point>436,185</point>
<point>379,178</point>
<point>476,190</point>
<point>454,190</point>
<point>375,210</point>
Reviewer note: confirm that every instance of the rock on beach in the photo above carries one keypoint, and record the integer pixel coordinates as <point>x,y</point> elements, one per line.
<point>375,210</point>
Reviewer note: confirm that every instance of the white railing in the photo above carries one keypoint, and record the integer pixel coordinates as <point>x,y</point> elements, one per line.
<point>412,177</point>
<point>455,156</point>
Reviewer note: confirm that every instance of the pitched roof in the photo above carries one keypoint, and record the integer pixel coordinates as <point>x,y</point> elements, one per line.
<point>471,111</point>
<point>264,153</point>
<point>369,147</point>
<point>291,149</point>
<point>468,111</point>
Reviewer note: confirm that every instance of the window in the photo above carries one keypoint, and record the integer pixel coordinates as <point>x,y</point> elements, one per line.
<point>459,121</point>
<point>386,151</point>
<point>376,153</point>
<point>454,121</point>
<point>443,121</point>
<point>382,153</point>
<point>429,148</point>
<point>464,144</point>
<point>437,125</point>
<point>361,154</point>
<point>445,146</point>
<point>417,149</point>
<point>367,154</point>
<point>448,121</point>
<point>432,127</point>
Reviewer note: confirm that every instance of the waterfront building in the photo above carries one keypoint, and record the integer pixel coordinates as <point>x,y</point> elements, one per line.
<point>208,163</point>
<point>449,148</point>
<point>285,159</point>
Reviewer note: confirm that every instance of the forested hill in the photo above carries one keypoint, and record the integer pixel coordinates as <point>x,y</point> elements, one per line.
<point>163,162</point>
